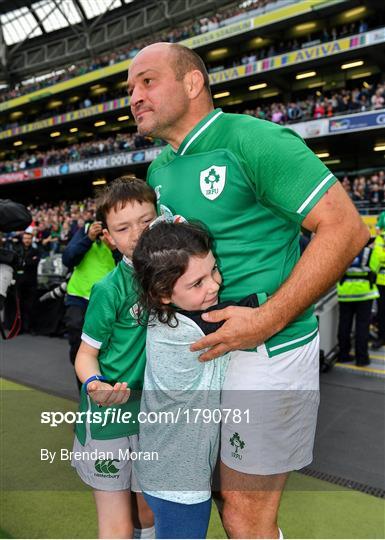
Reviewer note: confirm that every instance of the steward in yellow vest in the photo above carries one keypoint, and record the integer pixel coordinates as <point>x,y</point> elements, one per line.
<point>378,265</point>
<point>356,291</point>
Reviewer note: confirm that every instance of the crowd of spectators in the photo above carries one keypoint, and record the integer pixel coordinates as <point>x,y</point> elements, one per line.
<point>318,105</point>
<point>198,26</point>
<point>323,105</point>
<point>250,57</point>
<point>281,47</point>
<point>54,224</point>
<point>56,156</point>
<point>88,101</point>
<point>366,189</point>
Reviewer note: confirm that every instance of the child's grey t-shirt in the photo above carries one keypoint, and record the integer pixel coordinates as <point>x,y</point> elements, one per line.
<point>180,395</point>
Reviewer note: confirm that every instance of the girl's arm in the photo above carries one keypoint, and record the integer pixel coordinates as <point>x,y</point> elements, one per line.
<point>102,393</point>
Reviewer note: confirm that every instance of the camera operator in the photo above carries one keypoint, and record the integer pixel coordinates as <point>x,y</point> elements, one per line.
<point>13,217</point>
<point>26,281</point>
<point>90,257</point>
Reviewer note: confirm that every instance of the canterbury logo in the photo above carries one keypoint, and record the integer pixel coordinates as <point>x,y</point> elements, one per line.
<point>106,466</point>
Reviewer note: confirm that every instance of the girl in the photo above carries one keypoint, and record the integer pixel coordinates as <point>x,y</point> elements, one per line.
<point>178,280</point>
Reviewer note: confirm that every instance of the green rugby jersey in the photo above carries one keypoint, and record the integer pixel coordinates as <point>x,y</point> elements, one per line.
<point>111,326</point>
<point>251,182</point>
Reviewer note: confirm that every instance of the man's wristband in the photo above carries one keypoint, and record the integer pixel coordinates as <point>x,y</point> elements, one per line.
<point>93,378</point>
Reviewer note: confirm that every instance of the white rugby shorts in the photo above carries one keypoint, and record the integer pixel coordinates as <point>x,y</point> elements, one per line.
<point>278,401</point>
<point>105,464</point>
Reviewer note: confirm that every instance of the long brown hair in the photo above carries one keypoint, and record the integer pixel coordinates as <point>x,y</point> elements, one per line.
<point>160,258</point>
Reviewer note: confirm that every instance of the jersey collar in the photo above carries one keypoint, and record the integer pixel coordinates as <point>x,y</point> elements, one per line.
<point>198,130</point>
<point>127,261</point>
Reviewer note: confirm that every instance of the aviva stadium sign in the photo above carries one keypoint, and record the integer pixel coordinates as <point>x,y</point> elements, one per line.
<point>300,56</point>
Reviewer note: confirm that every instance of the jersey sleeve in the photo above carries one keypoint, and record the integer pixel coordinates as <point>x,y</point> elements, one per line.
<point>100,316</point>
<point>288,177</point>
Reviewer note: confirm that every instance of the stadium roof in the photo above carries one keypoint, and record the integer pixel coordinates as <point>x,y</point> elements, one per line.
<point>31,19</point>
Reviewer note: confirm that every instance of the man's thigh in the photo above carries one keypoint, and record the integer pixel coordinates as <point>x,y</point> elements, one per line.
<point>277,400</point>
<point>250,487</point>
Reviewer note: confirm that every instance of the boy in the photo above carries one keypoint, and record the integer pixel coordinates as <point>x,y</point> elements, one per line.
<point>113,349</point>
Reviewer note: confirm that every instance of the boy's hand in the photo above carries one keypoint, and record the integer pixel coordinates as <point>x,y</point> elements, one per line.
<point>104,394</point>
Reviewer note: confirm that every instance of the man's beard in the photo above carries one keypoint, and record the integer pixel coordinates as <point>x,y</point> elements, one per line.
<point>145,132</point>
<point>161,128</point>
<point>156,131</point>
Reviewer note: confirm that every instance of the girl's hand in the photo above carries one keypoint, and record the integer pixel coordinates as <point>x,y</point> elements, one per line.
<point>104,395</point>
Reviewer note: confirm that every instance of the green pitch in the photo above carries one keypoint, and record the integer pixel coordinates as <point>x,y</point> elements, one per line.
<point>42,500</point>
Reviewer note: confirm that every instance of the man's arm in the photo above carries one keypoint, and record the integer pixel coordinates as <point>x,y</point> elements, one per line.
<point>80,244</point>
<point>339,235</point>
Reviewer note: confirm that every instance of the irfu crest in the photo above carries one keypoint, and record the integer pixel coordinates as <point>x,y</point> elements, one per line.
<point>212,181</point>
<point>236,441</point>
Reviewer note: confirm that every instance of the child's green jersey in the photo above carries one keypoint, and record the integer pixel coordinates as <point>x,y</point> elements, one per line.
<point>111,325</point>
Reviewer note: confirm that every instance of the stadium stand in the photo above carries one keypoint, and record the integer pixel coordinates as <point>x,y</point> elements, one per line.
<point>72,124</point>
<point>121,142</point>
<point>199,26</point>
<point>316,66</point>
<point>318,105</point>
<point>358,99</point>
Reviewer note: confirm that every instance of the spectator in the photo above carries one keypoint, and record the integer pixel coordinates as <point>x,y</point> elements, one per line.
<point>64,233</point>
<point>363,27</point>
<point>355,297</point>
<point>378,98</point>
<point>89,257</point>
<point>319,109</point>
<point>26,282</point>
<point>379,268</point>
<point>294,112</point>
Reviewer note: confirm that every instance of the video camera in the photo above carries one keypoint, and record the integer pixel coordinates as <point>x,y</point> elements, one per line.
<point>13,217</point>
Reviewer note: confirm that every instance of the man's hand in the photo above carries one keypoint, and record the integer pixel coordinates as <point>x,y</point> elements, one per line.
<point>95,230</point>
<point>104,394</point>
<point>245,328</point>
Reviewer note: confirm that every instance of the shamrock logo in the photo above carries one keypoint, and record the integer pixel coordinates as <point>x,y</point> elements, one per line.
<point>212,178</point>
<point>237,442</point>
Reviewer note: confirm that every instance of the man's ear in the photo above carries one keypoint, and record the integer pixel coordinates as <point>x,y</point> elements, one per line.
<point>194,83</point>
<point>166,300</point>
<point>109,238</point>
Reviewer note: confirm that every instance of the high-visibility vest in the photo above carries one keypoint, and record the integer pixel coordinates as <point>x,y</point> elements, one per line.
<point>96,264</point>
<point>358,282</point>
<point>378,259</point>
